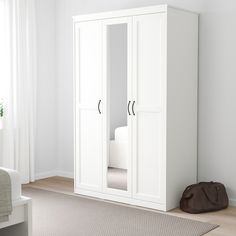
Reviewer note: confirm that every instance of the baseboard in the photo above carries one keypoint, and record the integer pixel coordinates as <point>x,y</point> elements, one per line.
<point>45,175</point>
<point>48,174</point>
<point>53,173</point>
<point>65,174</point>
<point>232,202</point>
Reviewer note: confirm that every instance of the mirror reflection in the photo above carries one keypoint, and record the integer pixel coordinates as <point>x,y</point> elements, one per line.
<point>118,130</point>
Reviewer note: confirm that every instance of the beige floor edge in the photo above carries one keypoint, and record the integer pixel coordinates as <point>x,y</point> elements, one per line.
<point>226,218</point>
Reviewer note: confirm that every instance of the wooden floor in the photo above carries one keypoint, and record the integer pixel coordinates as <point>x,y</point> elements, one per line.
<point>56,184</point>
<point>226,218</point>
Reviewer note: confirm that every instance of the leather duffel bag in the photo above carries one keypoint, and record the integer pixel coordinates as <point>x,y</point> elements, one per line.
<point>204,197</point>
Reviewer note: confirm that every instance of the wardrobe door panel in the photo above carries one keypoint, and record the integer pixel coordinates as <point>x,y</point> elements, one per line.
<point>89,63</point>
<point>88,81</point>
<point>90,148</point>
<point>148,47</point>
<point>148,153</point>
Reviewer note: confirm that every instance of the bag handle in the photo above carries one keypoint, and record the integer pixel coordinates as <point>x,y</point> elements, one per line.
<point>211,182</point>
<point>185,195</point>
<point>209,199</point>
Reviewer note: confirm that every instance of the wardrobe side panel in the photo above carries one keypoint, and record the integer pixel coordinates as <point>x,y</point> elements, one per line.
<point>182,93</point>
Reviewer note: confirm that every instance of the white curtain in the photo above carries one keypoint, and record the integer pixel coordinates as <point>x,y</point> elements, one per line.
<point>18,85</point>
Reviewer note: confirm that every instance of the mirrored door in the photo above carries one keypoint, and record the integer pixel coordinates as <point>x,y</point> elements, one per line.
<point>117,169</point>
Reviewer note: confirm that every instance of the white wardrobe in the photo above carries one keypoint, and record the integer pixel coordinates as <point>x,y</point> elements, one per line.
<point>136,71</point>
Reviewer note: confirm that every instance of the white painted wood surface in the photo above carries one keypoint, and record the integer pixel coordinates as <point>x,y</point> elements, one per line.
<point>121,13</point>
<point>88,82</point>
<point>20,221</point>
<point>148,38</point>
<point>182,96</point>
<point>162,87</point>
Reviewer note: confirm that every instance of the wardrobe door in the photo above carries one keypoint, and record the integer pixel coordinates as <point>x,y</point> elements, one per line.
<point>148,107</point>
<point>88,115</point>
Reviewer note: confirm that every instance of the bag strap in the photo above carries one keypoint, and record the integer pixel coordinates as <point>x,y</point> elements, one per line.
<point>211,182</point>
<point>209,199</point>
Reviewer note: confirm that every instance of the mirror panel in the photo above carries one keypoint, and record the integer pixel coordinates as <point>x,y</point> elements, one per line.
<point>117,112</point>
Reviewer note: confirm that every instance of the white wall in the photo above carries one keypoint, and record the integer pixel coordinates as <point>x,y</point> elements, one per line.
<point>64,76</point>
<point>217,83</point>
<point>46,88</point>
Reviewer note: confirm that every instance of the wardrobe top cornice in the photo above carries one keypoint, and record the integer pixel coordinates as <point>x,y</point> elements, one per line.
<point>123,13</point>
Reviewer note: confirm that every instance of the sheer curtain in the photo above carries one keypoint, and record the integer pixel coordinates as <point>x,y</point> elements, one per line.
<point>18,85</point>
